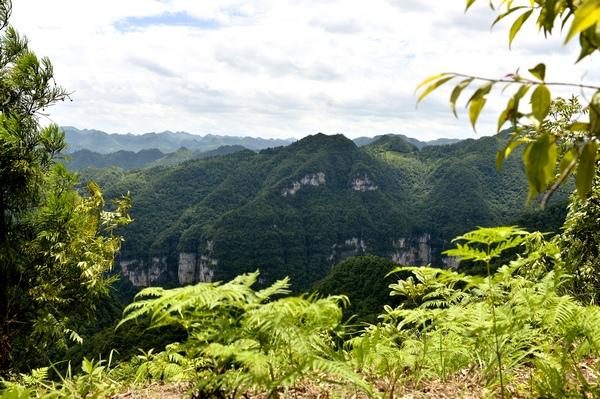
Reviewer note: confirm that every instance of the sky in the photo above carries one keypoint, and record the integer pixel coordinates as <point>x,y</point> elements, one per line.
<point>278,68</point>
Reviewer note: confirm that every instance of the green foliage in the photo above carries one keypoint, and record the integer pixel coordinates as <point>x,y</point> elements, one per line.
<point>97,379</point>
<point>62,269</point>
<point>580,245</point>
<point>239,339</point>
<point>514,322</point>
<point>364,280</point>
<point>496,326</point>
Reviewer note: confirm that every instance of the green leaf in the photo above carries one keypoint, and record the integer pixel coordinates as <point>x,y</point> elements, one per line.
<point>504,114</point>
<point>507,13</point>
<point>512,107</point>
<point>517,99</point>
<point>430,79</point>
<point>540,159</point>
<point>432,87</point>
<point>539,71</point>
<point>503,154</point>
<point>595,114</point>
<point>516,26</point>
<point>477,102</point>
<point>587,39</point>
<point>586,170</point>
<point>568,159</point>
<point>469,4</point>
<point>521,93</point>
<point>586,15</point>
<point>540,102</point>
<point>456,93</point>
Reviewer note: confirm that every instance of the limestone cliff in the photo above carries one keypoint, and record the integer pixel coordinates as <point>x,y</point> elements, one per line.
<point>141,273</point>
<point>194,268</point>
<point>313,179</point>
<point>363,183</point>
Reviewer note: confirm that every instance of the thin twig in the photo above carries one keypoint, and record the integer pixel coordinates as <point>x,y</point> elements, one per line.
<point>525,80</point>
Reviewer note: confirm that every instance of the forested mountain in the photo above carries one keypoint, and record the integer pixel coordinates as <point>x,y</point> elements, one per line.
<point>300,209</point>
<point>129,160</point>
<point>98,141</point>
<point>360,141</point>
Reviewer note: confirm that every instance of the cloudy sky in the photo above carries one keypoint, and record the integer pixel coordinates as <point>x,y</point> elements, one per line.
<point>275,68</point>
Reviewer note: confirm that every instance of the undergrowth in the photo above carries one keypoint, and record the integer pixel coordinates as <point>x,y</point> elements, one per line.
<point>515,330</point>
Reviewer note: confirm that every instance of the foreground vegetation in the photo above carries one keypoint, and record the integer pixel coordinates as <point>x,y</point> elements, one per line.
<point>513,332</point>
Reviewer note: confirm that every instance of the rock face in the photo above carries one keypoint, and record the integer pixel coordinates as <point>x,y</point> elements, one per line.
<point>363,183</point>
<point>194,268</point>
<point>451,262</point>
<point>412,252</point>
<point>141,274</point>
<point>351,247</point>
<point>313,179</point>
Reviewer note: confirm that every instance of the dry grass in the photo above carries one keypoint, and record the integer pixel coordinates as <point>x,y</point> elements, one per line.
<point>156,390</point>
<point>462,385</point>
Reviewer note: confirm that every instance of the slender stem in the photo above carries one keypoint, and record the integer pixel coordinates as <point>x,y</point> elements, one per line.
<point>525,80</point>
<point>498,354</point>
<point>558,182</point>
<point>495,324</point>
<point>442,359</point>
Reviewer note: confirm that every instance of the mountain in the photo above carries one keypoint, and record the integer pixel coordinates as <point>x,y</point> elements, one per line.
<point>362,141</point>
<point>129,160</point>
<point>300,209</point>
<point>104,143</point>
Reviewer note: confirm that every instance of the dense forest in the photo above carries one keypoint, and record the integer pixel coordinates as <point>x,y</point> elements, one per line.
<point>519,316</point>
<point>269,210</point>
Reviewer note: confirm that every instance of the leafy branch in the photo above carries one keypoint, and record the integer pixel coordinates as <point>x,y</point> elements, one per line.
<point>547,166</point>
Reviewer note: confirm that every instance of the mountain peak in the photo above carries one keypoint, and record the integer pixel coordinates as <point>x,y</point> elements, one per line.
<point>392,142</point>
<point>323,141</point>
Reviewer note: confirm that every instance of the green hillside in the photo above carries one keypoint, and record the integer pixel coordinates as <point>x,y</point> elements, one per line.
<point>300,209</point>
<point>129,160</point>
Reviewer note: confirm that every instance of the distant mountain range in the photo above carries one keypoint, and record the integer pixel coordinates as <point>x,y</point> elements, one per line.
<point>97,149</point>
<point>166,142</point>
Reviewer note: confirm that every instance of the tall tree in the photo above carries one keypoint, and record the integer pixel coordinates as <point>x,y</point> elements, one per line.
<point>55,245</point>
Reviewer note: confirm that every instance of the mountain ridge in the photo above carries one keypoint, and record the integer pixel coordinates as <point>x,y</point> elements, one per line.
<point>168,141</point>
<point>102,142</point>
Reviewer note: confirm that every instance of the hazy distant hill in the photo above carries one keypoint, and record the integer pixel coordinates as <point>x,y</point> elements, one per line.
<point>361,141</point>
<point>101,142</point>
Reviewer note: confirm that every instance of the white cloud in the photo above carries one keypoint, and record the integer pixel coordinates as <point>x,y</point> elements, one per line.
<point>274,68</point>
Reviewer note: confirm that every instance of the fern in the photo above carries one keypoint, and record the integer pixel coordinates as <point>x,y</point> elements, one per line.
<point>240,339</point>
